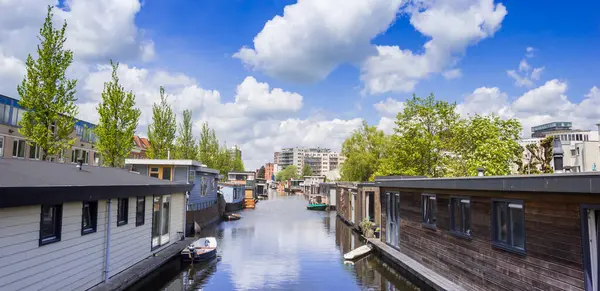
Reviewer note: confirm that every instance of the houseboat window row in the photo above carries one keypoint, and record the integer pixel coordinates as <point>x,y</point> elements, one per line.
<point>460,216</point>
<point>50,224</point>
<point>89,217</point>
<point>140,210</point>
<point>428,210</point>
<point>160,220</point>
<point>122,209</point>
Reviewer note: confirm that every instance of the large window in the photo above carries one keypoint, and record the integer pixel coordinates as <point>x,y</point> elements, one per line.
<point>160,220</point>
<point>203,186</point>
<point>34,151</point>
<point>140,210</point>
<point>428,210</point>
<point>508,225</point>
<point>83,154</point>
<point>122,207</point>
<point>460,216</point>
<point>4,113</point>
<point>163,173</point>
<point>17,115</point>
<point>18,148</point>
<point>50,224</point>
<point>89,217</point>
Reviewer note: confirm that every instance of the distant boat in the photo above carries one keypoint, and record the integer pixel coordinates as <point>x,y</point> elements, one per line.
<point>317,206</point>
<point>357,253</point>
<point>231,216</point>
<point>201,250</point>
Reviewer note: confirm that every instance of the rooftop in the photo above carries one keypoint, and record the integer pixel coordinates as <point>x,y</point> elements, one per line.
<point>28,182</point>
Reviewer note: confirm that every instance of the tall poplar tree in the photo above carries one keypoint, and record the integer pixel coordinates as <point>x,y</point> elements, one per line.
<point>47,95</point>
<point>161,133</point>
<point>118,120</point>
<point>186,144</point>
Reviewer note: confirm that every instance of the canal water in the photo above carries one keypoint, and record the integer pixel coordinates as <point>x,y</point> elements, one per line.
<point>279,246</point>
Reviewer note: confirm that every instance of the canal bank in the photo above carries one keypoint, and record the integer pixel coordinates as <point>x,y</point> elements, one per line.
<point>281,246</point>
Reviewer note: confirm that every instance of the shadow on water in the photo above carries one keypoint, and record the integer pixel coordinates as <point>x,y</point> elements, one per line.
<point>279,246</point>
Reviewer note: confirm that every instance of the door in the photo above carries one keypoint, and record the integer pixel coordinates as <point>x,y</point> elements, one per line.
<point>392,215</point>
<point>591,248</point>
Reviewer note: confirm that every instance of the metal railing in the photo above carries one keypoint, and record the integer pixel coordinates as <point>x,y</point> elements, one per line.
<point>200,205</point>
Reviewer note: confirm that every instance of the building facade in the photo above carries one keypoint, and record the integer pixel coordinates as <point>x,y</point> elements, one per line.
<point>14,145</point>
<point>140,146</point>
<point>320,160</point>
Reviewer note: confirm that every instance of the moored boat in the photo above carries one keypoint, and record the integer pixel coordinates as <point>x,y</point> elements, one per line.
<point>231,216</point>
<point>316,206</point>
<point>200,250</point>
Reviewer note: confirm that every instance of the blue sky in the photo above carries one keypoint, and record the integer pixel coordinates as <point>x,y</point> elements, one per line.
<point>268,74</point>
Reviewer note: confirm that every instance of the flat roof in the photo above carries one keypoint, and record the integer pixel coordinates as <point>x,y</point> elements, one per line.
<point>28,182</point>
<point>585,183</point>
<point>241,173</point>
<point>192,163</point>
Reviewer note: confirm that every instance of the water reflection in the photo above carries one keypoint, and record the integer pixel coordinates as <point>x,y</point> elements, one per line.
<point>281,246</point>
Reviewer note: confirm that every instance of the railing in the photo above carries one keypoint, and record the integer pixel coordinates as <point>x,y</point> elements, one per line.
<point>200,205</point>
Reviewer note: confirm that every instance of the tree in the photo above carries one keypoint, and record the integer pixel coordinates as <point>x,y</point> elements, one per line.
<point>161,133</point>
<point>118,120</point>
<point>238,164</point>
<point>186,143</point>
<point>261,173</point>
<point>540,157</point>
<point>306,170</point>
<point>289,172</point>
<point>208,147</point>
<point>422,143</point>
<point>47,95</point>
<point>364,151</point>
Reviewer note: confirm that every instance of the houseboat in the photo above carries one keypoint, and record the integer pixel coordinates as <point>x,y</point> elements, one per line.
<point>68,227</point>
<point>311,184</point>
<point>234,196</point>
<point>329,191</point>
<point>261,187</point>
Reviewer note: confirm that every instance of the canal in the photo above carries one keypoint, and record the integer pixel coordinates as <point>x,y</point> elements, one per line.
<point>279,246</point>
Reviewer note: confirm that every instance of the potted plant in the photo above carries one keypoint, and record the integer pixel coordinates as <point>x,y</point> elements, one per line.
<point>377,231</point>
<point>367,227</point>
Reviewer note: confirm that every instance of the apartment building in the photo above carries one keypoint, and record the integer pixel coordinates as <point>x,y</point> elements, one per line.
<point>320,160</point>
<point>13,144</point>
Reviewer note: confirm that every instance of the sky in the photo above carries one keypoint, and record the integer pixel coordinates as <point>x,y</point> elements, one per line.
<point>269,74</point>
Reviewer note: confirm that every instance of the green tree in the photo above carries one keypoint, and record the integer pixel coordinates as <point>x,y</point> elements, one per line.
<point>261,173</point>
<point>186,143</point>
<point>540,157</point>
<point>47,95</point>
<point>306,170</point>
<point>118,120</point>
<point>364,151</point>
<point>289,172</point>
<point>161,133</point>
<point>238,163</point>
<point>208,147</point>
<point>224,161</point>
<point>422,143</point>
<point>486,141</point>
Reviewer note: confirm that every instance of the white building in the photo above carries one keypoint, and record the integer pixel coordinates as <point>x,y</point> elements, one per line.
<point>320,160</point>
<point>63,228</point>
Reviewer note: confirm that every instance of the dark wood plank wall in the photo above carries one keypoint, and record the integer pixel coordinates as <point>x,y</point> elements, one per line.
<point>553,259</point>
<point>343,206</point>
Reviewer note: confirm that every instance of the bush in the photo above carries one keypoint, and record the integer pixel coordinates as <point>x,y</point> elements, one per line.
<point>367,228</point>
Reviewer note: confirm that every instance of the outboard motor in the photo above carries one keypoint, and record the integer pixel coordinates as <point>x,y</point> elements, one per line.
<point>192,252</point>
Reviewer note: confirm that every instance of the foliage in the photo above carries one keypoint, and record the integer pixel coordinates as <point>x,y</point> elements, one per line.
<point>364,151</point>
<point>367,227</point>
<point>210,153</point>
<point>261,173</point>
<point>422,143</point>
<point>118,120</point>
<point>185,146</point>
<point>540,157</point>
<point>289,172</point>
<point>47,95</point>
<point>161,133</point>
<point>306,170</point>
<point>238,164</point>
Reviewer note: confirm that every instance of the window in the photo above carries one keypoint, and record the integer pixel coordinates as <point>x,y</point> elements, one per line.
<point>76,154</point>
<point>89,217</point>
<point>203,186</point>
<point>4,113</point>
<point>34,151</point>
<point>140,211</point>
<point>122,206</point>
<point>160,220</point>
<point>428,210</point>
<point>460,216</point>
<point>166,173</point>
<point>508,225</point>
<point>159,172</point>
<point>192,177</point>
<point>17,115</point>
<point>18,148</point>
<point>1,146</point>
<point>50,224</point>
<point>154,172</point>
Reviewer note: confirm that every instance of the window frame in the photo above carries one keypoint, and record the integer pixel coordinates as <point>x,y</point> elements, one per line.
<point>93,206</point>
<point>18,148</point>
<point>137,210</point>
<point>36,150</point>
<point>57,214</point>
<point>509,232</point>
<point>2,145</point>
<point>122,220</point>
<point>423,214</point>
<point>453,228</point>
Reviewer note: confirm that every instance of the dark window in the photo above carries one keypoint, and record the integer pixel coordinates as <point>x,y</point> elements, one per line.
<point>166,173</point>
<point>140,210</point>
<point>50,224</point>
<point>122,211</point>
<point>508,225</point>
<point>460,219</point>
<point>428,210</point>
<point>89,217</point>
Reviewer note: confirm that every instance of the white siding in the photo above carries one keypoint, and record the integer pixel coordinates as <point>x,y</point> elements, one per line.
<point>77,261</point>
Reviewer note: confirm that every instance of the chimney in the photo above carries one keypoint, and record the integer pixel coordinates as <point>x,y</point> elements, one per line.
<point>480,171</point>
<point>557,155</point>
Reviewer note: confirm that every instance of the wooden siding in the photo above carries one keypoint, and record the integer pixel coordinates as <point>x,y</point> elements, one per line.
<point>180,174</point>
<point>77,261</point>
<point>553,259</point>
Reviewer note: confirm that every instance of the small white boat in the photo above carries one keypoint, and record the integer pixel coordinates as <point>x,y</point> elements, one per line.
<point>200,250</point>
<point>357,253</point>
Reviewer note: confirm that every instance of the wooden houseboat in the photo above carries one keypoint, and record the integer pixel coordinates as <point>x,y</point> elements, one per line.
<point>347,200</point>
<point>234,196</point>
<point>329,190</point>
